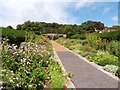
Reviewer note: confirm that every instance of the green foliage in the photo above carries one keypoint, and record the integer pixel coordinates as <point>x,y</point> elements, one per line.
<point>105,59</point>
<point>57,79</point>
<point>69,34</point>
<point>95,50</point>
<point>91,39</point>
<point>43,28</point>
<point>117,27</point>
<point>113,48</point>
<point>91,25</point>
<point>114,35</point>
<point>9,27</point>
<point>17,36</point>
<point>14,36</point>
<point>25,67</point>
<point>78,36</point>
<point>26,64</point>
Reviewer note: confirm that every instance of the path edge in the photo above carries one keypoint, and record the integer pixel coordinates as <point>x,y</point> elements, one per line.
<point>69,83</point>
<point>93,64</point>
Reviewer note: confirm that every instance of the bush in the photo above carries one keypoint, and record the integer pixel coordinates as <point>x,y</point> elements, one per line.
<point>78,36</point>
<point>113,48</point>
<point>69,34</point>
<point>29,66</point>
<point>14,36</point>
<point>114,35</point>
<point>106,59</point>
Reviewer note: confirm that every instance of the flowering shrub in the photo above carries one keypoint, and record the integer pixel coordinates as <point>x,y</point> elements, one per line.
<point>28,66</point>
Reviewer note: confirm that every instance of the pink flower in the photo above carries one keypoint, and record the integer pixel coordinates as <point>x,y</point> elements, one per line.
<point>47,69</point>
<point>65,86</point>
<point>72,81</point>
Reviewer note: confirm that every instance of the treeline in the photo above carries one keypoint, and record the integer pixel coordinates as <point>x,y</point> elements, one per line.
<point>43,28</point>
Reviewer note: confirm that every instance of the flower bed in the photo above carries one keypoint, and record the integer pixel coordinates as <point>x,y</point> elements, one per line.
<point>30,65</point>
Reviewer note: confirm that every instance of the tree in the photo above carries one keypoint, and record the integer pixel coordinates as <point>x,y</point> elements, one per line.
<point>19,27</point>
<point>10,27</point>
<point>115,27</point>
<point>89,26</point>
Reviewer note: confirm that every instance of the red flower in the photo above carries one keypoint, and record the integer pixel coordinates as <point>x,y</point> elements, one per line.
<point>65,86</point>
<point>72,81</point>
<point>47,69</point>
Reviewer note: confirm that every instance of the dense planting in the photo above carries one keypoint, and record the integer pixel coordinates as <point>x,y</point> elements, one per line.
<point>31,65</point>
<point>115,35</point>
<point>95,49</point>
<point>14,36</point>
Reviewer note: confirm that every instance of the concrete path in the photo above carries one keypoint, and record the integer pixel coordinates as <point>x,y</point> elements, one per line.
<point>85,75</point>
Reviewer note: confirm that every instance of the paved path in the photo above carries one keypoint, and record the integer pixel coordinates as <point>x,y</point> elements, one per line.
<point>85,75</point>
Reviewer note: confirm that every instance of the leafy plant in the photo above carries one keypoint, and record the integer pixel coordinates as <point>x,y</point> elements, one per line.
<point>29,65</point>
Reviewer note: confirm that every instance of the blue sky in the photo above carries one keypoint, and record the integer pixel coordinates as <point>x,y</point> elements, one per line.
<point>66,12</point>
<point>106,12</point>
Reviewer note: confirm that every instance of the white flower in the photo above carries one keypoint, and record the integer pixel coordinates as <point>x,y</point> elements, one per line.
<point>3,70</point>
<point>9,46</point>
<point>15,47</point>
<point>1,83</point>
<point>11,71</point>
<point>30,86</point>
<point>17,85</point>
<point>13,44</point>
<point>17,78</point>
<point>11,80</point>
<point>21,51</point>
<point>14,53</point>
<point>26,71</point>
<point>28,62</point>
<point>1,75</point>
<point>24,59</point>
<point>1,87</point>
<point>21,47</point>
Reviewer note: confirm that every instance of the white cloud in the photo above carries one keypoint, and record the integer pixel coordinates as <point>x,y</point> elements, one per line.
<point>106,10</point>
<point>84,3</point>
<point>115,18</point>
<point>18,11</point>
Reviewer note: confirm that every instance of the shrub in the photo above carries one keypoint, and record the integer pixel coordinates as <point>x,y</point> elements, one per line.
<point>78,36</point>
<point>14,36</point>
<point>113,48</point>
<point>69,34</point>
<point>57,79</point>
<point>29,66</point>
<point>114,35</point>
<point>106,59</point>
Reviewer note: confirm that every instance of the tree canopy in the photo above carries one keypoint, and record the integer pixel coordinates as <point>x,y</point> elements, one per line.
<point>43,27</point>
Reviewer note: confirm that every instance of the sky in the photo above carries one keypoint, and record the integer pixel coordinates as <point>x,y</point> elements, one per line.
<point>14,12</point>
